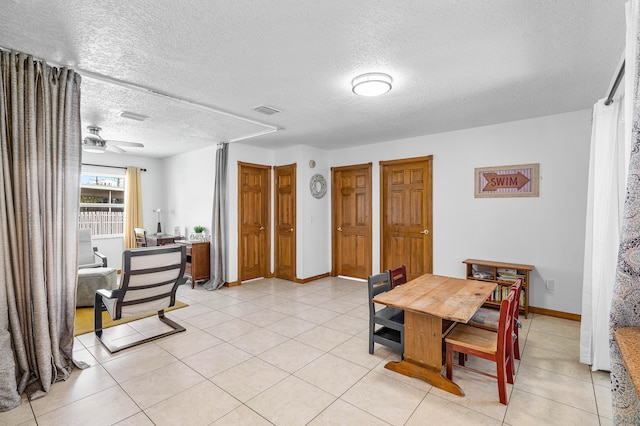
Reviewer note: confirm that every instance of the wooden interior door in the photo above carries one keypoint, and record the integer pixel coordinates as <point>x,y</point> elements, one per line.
<point>253,221</point>
<point>351,220</point>
<point>285,222</point>
<point>406,215</point>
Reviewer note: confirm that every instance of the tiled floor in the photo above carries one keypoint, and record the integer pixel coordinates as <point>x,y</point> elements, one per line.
<point>275,352</point>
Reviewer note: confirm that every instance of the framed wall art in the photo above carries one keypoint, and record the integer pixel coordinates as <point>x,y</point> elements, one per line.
<point>507,181</point>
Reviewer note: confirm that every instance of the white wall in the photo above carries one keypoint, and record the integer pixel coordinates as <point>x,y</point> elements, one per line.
<point>313,216</point>
<point>189,181</point>
<point>546,231</point>
<point>188,190</point>
<point>152,195</point>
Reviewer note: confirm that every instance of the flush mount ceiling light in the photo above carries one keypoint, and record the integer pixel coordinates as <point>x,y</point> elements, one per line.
<point>371,84</point>
<point>132,115</point>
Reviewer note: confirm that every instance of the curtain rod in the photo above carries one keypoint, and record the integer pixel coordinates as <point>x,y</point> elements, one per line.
<point>111,167</point>
<point>615,82</point>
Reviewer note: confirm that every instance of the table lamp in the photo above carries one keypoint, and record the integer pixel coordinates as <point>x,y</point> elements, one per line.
<point>159,228</point>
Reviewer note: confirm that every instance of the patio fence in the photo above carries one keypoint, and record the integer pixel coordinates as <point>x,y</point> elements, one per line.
<point>102,223</point>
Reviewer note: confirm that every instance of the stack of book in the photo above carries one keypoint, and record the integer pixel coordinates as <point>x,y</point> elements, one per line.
<point>508,275</point>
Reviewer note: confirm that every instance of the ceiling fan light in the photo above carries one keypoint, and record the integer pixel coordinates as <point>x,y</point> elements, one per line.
<point>90,144</point>
<point>95,150</point>
<point>371,84</point>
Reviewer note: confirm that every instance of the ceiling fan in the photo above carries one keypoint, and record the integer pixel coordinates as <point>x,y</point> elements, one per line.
<point>93,142</point>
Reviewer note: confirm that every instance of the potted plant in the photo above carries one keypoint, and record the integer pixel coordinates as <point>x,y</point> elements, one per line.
<point>198,230</point>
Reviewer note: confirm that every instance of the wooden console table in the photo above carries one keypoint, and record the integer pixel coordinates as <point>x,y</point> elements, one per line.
<point>161,239</point>
<point>197,260</point>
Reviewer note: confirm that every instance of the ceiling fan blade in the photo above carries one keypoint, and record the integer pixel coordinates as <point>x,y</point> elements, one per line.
<point>115,148</point>
<point>124,143</point>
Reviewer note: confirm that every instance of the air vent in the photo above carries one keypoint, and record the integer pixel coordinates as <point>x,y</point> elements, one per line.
<point>267,110</point>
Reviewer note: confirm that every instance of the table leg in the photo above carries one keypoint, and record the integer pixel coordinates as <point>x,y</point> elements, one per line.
<point>428,374</point>
<point>423,353</point>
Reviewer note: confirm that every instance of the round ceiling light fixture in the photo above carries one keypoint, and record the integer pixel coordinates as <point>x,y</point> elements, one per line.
<point>371,84</point>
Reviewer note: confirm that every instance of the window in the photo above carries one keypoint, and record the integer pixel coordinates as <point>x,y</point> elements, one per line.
<point>102,203</point>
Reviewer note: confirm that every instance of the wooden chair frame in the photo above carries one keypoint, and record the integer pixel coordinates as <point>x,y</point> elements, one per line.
<point>398,276</point>
<point>516,287</point>
<point>141,237</point>
<point>477,342</point>
<point>391,334</point>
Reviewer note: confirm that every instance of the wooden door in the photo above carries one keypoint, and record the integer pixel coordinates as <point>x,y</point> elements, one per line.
<point>285,222</point>
<point>406,215</point>
<point>351,220</point>
<point>253,221</point>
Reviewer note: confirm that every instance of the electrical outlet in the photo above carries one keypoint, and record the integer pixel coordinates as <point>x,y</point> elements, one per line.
<point>551,284</point>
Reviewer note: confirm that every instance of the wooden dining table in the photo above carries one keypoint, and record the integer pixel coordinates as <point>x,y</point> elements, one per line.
<point>432,305</point>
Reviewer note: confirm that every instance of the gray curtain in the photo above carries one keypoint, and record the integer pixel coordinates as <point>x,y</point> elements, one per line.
<point>40,156</point>
<point>219,221</point>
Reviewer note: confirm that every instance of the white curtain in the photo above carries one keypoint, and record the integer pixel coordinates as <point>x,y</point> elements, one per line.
<point>611,138</point>
<point>605,202</point>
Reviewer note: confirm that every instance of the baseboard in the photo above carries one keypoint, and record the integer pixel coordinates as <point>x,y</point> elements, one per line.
<point>309,279</point>
<point>557,314</point>
<point>232,284</point>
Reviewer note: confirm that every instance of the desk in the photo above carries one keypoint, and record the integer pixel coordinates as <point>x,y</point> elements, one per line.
<point>161,239</point>
<point>432,304</point>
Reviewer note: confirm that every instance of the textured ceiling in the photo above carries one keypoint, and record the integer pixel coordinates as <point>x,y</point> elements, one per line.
<point>455,64</point>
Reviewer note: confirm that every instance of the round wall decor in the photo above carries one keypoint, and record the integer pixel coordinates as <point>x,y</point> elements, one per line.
<point>318,186</point>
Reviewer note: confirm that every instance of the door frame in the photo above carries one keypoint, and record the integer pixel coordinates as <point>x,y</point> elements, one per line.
<point>428,185</point>
<point>334,196</point>
<point>267,207</point>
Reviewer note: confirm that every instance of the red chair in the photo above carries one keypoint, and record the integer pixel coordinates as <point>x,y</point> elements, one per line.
<point>398,276</point>
<point>486,344</point>
<point>487,318</point>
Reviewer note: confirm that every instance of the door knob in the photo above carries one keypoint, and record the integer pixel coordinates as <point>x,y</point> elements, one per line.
<point>425,232</point>
<point>262,228</point>
<point>339,229</point>
<point>290,230</point>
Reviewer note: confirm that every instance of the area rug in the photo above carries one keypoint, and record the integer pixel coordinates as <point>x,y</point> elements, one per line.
<point>84,318</point>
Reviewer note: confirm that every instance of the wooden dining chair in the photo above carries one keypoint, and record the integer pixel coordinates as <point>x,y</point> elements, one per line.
<point>391,334</point>
<point>487,318</point>
<point>141,237</point>
<point>398,276</point>
<point>485,344</point>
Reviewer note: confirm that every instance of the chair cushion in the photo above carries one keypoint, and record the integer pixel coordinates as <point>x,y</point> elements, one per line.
<point>486,317</point>
<point>90,280</point>
<point>85,251</point>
